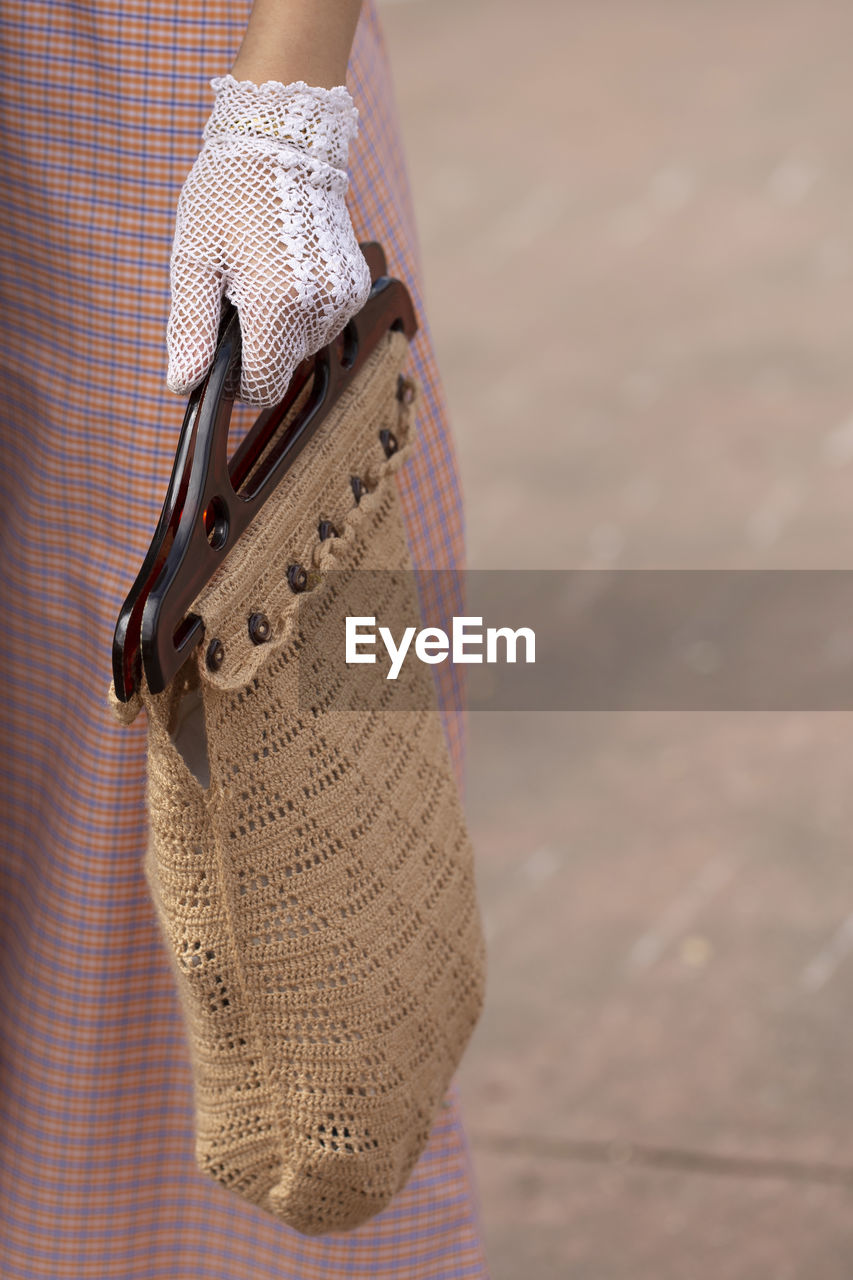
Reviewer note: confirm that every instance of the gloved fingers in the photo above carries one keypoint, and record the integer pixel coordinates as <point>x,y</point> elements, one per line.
<point>282,321</point>
<point>193,323</point>
<point>273,340</point>
<point>282,324</point>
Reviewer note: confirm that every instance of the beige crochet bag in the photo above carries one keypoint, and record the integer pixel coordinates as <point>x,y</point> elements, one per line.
<point>310,866</point>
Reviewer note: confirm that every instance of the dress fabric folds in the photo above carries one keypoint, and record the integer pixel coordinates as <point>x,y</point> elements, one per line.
<point>102,109</point>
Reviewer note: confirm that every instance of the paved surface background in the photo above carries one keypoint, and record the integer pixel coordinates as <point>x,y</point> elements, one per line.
<point>637,227</point>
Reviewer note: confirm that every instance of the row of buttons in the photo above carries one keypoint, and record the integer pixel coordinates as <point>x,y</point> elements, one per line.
<point>259,626</point>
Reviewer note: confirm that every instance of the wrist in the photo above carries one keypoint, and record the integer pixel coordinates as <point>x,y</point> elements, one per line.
<point>292,53</point>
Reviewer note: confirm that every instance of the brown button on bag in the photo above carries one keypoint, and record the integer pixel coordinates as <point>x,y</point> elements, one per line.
<point>309,864</point>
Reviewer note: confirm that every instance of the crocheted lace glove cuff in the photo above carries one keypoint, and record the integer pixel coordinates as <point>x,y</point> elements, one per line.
<point>319,123</point>
<point>262,219</point>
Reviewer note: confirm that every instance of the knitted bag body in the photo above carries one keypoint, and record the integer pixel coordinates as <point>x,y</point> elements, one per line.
<point>309,863</point>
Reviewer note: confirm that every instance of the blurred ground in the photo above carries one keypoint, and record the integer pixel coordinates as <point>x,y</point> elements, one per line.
<point>637,228</point>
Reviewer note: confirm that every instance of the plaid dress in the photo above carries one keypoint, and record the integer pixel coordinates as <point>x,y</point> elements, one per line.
<point>103,103</point>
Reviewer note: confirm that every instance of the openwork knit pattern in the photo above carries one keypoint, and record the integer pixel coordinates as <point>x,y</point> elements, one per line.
<point>262,218</point>
<point>317,890</point>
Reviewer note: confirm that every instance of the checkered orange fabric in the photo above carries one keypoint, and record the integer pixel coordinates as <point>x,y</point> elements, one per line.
<point>102,107</point>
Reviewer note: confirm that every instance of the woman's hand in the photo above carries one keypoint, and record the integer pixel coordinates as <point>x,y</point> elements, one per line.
<point>262,219</point>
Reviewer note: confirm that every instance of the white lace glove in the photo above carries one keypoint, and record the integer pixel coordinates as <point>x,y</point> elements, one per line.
<point>262,218</point>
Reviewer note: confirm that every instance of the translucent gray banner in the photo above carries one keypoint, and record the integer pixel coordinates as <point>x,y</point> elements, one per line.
<point>607,640</point>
